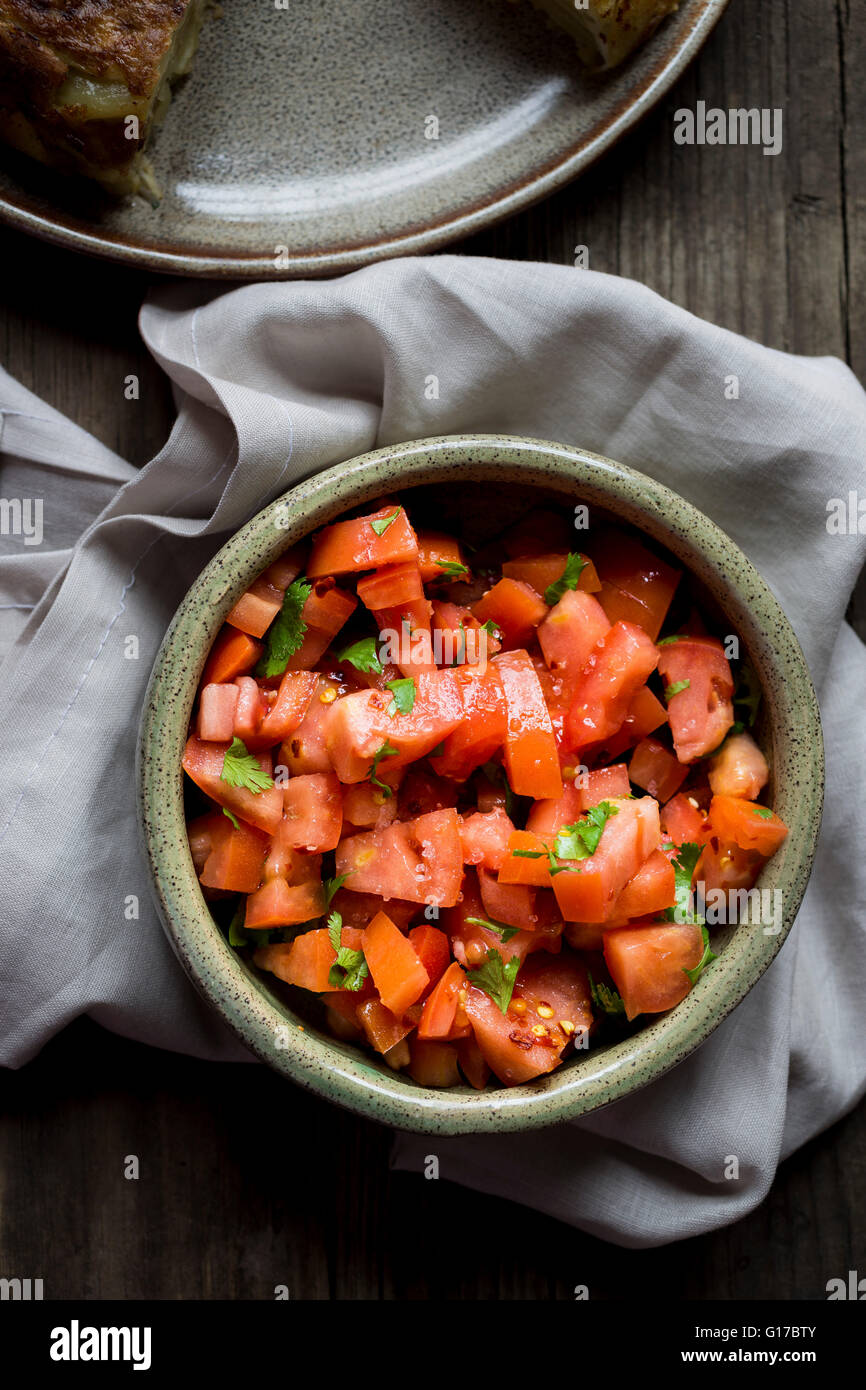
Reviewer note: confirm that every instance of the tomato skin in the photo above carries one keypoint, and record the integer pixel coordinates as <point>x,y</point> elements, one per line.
<point>391,585</point>
<point>433,1063</point>
<point>313,806</point>
<point>236,857</point>
<point>383,1031</point>
<point>481,729</point>
<point>432,949</point>
<point>216,713</point>
<point>627,841</point>
<point>636,585</point>
<point>656,770</point>
<point>615,670</point>
<point>232,654</point>
<point>746,824</point>
<point>359,725</point>
<point>484,837</point>
<point>203,762</point>
<point>647,964</point>
<point>683,822</point>
<point>397,973</point>
<point>653,888</point>
<point>701,715</point>
<point>420,861</point>
<point>349,546</point>
<point>645,715</point>
<point>472,1063</point>
<point>570,633</point>
<point>279,904</point>
<point>540,571</point>
<point>293,699</point>
<point>326,610</point>
<point>739,768</point>
<point>515,609</point>
<point>435,549</point>
<point>440,1008</point>
<point>516,869</point>
<point>531,759</point>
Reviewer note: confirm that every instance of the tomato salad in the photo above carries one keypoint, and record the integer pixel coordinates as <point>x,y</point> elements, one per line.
<point>464,796</point>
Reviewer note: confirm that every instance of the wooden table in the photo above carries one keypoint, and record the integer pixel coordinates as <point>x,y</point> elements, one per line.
<point>246,1182</point>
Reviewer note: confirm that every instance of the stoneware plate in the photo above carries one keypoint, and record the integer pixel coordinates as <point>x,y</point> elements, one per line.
<point>480,482</point>
<point>299,144</point>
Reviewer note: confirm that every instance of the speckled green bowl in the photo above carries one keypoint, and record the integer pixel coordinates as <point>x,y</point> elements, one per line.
<point>482,480</point>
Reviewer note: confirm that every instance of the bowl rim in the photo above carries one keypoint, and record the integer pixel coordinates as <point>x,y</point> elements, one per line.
<point>260,1018</point>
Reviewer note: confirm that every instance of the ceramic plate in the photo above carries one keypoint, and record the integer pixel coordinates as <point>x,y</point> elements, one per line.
<point>306,128</point>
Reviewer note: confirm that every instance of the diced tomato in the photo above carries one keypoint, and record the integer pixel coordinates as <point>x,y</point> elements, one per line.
<point>326,610</point>
<point>435,550</point>
<point>360,725</point>
<point>397,972</point>
<point>546,818</point>
<point>538,532</point>
<point>655,768</point>
<point>616,668</point>
<point>645,715</point>
<point>288,709</point>
<point>627,840</point>
<point>515,609</point>
<point>458,636</point>
<point>391,586</point>
<point>648,963</point>
<point>431,947</point>
<point>383,1031</point>
<point>256,609</point>
<point>433,1063</point>
<point>305,750</point>
<point>421,791</point>
<point>652,889</point>
<point>586,936</point>
<point>313,811</point>
<point>484,837</point>
<point>366,807</point>
<point>739,768</point>
<point>472,1063</point>
<point>201,833</point>
<point>513,904</point>
<point>471,942</point>
<point>518,868</point>
<point>543,570</point>
<point>359,909</point>
<point>237,858</point>
<point>531,759</point>
<point>204,763</point>
<point>420,861</point>
<point>250,709</point>
<point>562,985</point>
<point>702,713</point>
<point>683,821</point>
<point>636,585</point>
<point>440,1008</point>
<point>285,861</point>
<point>279,904</point>
<point>746,824</point>
<point>305,962</point>
<point>349,546</point>
<point>406,635</point>
<point>232,654</point>
<point>216,713</point>
<point>510,1047</point>
<point>603,784</point>
<point>481,729</point>
<point>570,633</point>
<point>725,866</point>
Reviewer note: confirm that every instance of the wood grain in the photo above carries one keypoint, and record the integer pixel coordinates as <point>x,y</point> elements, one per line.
<point>246,1183</point>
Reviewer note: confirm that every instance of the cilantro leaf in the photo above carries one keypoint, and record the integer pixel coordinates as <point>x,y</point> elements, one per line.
<point>232,817</point>
<point>403,692</point>
<point>452,568</point>
<point>363,655</point>
<point>286,632</point>
<point>437,751</point>
<point>496,978</point>
<point>580,840</point>
<point>608,1000</point>
<point>332,886</point>
<point>764,812</point>
<point>335,931</point>
<point>676,688</point>
<point>569,579</point>
<point>708,956</point>
<point>748,694</point>
<point>553,866</point>
<point>241,769</point>
<point>684,867</point>
<point>386,751</point>
<point>237,935</point>
<point>666,641</point>
<point>381,525</point>
<point>502,931</point>
<point>349,970</point>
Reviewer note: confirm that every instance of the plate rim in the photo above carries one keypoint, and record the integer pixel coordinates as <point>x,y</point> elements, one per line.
<point>512,199</point>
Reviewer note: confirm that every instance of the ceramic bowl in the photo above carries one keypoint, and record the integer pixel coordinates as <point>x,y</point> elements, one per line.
<point>480,482</point>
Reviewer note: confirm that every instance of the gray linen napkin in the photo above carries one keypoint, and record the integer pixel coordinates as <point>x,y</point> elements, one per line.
<point>276,381</point>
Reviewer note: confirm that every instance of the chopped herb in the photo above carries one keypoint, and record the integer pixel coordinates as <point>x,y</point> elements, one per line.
<point>606,999</point>
<point>363,655</point>
<point>502,931</point>
<point>233,818</point>
<point>684,868</point>
<point>764,812</point>
<point>676,689</point>
<point>349,970</point>
<point>381,525</point>
<point>237,935</point>
<point>438,750</point>
<point>554,867</point>
<point>452,568</point>
<point>708,956</point>
<point>580,840</point>
<point>335,930</point>
<point>332,886</point>
<point>241,769</point>
<point>403,692</point>
<point>748,694</point>
<point>666,641</point>
<point>738,727</point>
<point>286,632</point>
<point>496,978</point>
<point>491,628</point>
<point>386,751</point>
<point>569,579</point>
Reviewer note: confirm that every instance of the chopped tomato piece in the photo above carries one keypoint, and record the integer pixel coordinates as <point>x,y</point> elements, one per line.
<point>515,609</point>
<point>472,1063</point>
<point>433,1063</point>
<point>627,840</point>
<point>543,570</point>
<point>517,867</point>
<point>480,731</point>
<point>382,1029</point>
<point>391,586</point>
<point>306,961</point>
<point>652,889</point>
<point>746,824</point>
<point>440,1008</point>
<point>655,768</point>
<point>645,715</point>
<point>204,763</point>
<point>313,811</point>
<point>702,713</point>
<point>349,546</point>
<point>236,858</point>
<point>216,713</point>
<point>250,709</point>
<point>292,701</point>
<point>432,949</point>
<point>305,750</point>
<point>739,768</point>
<point>531,759</point>
<point>436,550</point>
<point>279,904</point>
<point>232,654</point>
<point>684,821</point>
<point>406,633</point>
<point>724,866</point>
<point>484,837</point>
<point>256,609</point>
<point>616,668</point>
<point>361,725</point>
<point>570,633</point>
<point>647,964</point>
<point>420,861</point>
<point>636,585</point>
<point>546,818</point>
<point>367,806</point>
<point>397,972</point>
<point>325,612</point>
<point>422,791</point>
<point>359,909</point>
<point>513,904</point>
<point>603,784</point>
